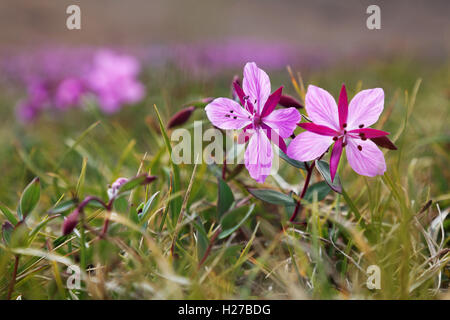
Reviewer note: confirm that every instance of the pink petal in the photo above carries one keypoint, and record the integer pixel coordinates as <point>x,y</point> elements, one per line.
<point>369,161</point>
<point>308,146</point>
<point>273,136</point>
<point>343,106</point>
<point>227,114</point>
<point>240,93</point>
<point>271,102</point>
<point>335,157</point>
<point>365,108</point>
<point>369,133</point>
<point>321,107</point>
<point>283,120</point>
<point>258,156</point>
<point>256,85</point>
<point>323,130</point>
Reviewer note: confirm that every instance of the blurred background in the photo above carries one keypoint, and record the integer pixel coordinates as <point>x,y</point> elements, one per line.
<point>55,82</point>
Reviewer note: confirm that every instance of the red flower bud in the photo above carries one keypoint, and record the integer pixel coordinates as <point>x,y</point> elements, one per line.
<point>70,222</point>
<point>181,117</point>
<point>289,101</point>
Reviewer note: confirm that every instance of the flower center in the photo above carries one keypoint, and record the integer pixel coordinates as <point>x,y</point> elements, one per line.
<point>257,121</point>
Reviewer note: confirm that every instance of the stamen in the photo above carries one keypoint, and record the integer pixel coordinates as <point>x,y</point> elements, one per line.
<point>345,131</point>
<point>227,116</point>
<point>231,111</point>
<point>361,126</point>
<point>359,148</point>
<point>335,138</point>
<point>234,117</point>
<point>344,125</point>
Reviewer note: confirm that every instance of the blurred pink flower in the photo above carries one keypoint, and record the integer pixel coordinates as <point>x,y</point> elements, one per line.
<point>113,79</point>
<point>69,93</point>
<point>257,117</point>
<point>345,125</point>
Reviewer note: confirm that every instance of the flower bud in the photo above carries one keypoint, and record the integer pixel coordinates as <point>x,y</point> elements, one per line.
<point>289,101</point>
<point>70,222</point>
<point>236,80</point>
<point>114,188</point>
<point>7,229</point>
<point>181,117</point>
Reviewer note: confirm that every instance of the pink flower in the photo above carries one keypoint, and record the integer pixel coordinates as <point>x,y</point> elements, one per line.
<point>344,124</point>
<point>257,117</point>
<point>113,79</point>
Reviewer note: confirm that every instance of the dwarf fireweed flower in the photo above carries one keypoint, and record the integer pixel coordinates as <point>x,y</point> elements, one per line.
<point>347,125</point>
<point>113,79</point>
<point>256,115</point>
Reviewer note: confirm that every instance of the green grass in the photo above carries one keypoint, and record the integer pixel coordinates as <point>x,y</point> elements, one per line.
<point>182,249</point>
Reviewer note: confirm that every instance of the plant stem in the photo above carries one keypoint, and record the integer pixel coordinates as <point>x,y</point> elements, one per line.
<point>310,170</point>
<point>13,280</point>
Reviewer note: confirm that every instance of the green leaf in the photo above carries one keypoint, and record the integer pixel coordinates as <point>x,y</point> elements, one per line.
<point>272,196</point>
<point>321,188</point>
<point>62,207</point>
<point>139,180</point>
<point>143,216</point>
<point>202,239</point>
<point>231,217</point>
<point>225,197</point>
<point>30,198</point>
<point>292,162</point>
<point>8,214</point>
<point>324,169</point>
<point>176,202</point>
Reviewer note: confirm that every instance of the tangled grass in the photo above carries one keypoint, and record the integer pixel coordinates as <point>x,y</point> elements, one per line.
<point>166,240</point>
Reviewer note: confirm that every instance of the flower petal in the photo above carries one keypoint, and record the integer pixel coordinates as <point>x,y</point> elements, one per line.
<point>368,133</point>
<point>256,85</point>
<point>343,106</point>
<point>273,136</point>
<point>241,95</point>
<point>283,120</point>
<point>308,146</point>
<point>316,128</point>
<point>258,156</point>
<point>365,108</point>
<point>365,157</point>
<point>227,114</point>
<point>321,107</point>
<point>271,102</point>
<point>335,157</point>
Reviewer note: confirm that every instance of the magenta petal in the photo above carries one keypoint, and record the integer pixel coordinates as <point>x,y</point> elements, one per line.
<point>321,107</point>
<point>335,157</point>
<point>240,93</point>
<point>316,128</point>
<point>227,114</point>
<point>343,106</point>
<point>275,137</point>
<point>365,108</point>
<point>256,85</point>
<point>283,120</point>
<point>258,156</point>
<point>271,102</point>
<point>365,158</point>
<point>369,133</point>
<point>308,146</point>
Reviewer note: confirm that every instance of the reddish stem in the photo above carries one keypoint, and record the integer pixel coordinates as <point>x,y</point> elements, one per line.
<point>310,170</point>
<point>208,250</point>
<point>13,280</point>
